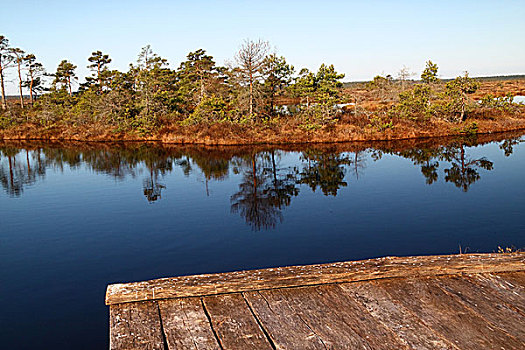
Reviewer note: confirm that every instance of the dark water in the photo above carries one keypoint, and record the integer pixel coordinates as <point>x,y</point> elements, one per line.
<point>76,217</point>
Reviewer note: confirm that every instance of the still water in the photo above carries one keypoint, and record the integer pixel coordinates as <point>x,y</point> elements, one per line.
<point>76,217</point>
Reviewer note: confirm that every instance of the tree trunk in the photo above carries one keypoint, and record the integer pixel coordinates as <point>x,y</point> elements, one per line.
<point>272,101</point>
<point>355,165</point>
<point>28,164</point>
<point>99,77</point>
<point>11,180</point>
<point>201,82</point>
<point>274,169</point>
<point>463,104</point>
<point>20,83</point>
<point>4,101</point>
<point>251,94</point>
<point>31,100</point>
<point>254,170</point>
<point>201,97</point>
<point>69,85</point>
<point>462,160</point>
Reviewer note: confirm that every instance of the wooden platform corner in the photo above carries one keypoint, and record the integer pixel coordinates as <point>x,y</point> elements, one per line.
<point>470,301</point>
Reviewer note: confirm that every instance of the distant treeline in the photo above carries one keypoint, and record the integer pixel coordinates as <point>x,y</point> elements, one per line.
<point>350,84</point>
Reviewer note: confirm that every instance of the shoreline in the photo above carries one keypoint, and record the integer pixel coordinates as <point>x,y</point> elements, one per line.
<point>251,136</point>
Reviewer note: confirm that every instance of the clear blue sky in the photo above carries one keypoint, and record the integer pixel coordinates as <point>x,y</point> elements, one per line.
<point>361,38</point>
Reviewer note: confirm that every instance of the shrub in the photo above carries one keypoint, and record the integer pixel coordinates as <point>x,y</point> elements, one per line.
<point>413,104</point>
<point>210,110</point>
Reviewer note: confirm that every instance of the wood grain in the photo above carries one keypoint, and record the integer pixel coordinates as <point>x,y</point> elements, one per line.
<point>516,278</point>
<point>447,316</point>
<point>503,287</point>
<point>284,325</point>
<point>294,276</point>
<point>482,302</point>
<point>342,320</point>
<point>234,323</point>
<point>186,325</point>
<point>135,326</point>
<point>405,324</point>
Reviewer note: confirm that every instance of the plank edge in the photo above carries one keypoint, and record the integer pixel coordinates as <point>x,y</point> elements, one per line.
<point>294,276</point>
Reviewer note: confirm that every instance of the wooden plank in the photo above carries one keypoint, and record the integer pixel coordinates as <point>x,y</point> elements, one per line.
<point>234,323</point>
<point>284,326</point>
<point>512,293</point>
<point>447,316</point>
<point>516,278</point>
<point>297,318</point>
<point>341,320</point>
<point>293,276</point>
<point>394,316</point>
<point>483,302</point>
<point>186,325</point>
<point>135,326</point>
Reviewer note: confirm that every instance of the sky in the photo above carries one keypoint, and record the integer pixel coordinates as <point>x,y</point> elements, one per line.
<point>361,38</point>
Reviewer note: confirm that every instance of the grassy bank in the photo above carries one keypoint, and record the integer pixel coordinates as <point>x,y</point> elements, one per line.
<point>277,131</point>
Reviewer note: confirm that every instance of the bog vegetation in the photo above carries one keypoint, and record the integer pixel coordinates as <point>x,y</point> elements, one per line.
<point>258,89</point>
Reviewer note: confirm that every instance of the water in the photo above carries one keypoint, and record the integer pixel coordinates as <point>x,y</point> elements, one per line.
<point>76,217</point>
<point>519,99</point>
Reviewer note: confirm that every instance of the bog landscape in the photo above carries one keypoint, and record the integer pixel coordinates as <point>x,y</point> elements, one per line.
<point>272,175</point>
<point>258,98</point>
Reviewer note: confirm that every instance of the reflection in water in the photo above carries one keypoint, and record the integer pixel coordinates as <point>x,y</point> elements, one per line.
<point>463,171</point>
<point>19,168</point>
<point>427,159</point>
<point>324,170</point>
<point>264,190</point>
<point>157,167</point>
<point>265,185</point>
<point>508,145</point>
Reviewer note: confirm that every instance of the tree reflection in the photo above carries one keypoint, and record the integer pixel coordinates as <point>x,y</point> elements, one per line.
<point>263,191</point>
<point>461,170</point>
<point>359,163</point>
<point>266,187</point>
<point>324,170</point>
<point>159,163</point>
<point>427,159</point>
<point>508,145</point>
<point>213,167</point>
<point>464,170</point>
<point>19,169</point>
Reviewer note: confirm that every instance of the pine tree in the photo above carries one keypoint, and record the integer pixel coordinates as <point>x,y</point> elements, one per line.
<point>99,69</point>
<point>6,59</point>
<point>18,55</point>
<point>429,74</point>
<point>64,75</point>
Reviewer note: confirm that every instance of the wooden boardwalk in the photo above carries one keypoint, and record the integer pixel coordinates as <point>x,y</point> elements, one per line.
<point>474,301</point>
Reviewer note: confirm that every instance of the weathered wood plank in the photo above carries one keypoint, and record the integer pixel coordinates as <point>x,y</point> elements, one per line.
<point>234,323</point>
<point>284,325</point>
<point>394,316</point>
<point>341,319</point>
<point>512,293</point>
<point>447,316</point>
<point>483,302</point>
<point>517,278</point>
<point>294,276</point>
<point>135,326</point>
<point>186,325</point>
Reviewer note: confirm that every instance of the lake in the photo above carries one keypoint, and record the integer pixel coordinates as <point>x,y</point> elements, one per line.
<point>78,216</point>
